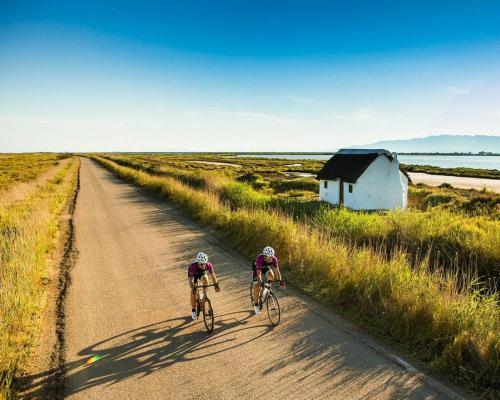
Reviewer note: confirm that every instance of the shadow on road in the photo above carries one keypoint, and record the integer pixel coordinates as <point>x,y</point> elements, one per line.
<point>144,350</point>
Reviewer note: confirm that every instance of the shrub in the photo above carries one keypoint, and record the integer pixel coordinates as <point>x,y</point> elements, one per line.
<point>303,184</point>
<point>253,179</point>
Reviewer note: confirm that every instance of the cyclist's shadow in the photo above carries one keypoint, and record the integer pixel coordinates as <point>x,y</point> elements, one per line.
<point>153,347</point>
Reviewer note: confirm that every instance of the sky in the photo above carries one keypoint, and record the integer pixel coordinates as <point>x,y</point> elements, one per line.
<point>244,75</point>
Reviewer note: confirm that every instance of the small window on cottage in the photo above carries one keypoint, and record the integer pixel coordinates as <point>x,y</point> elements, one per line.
<point>325,184</point>
<point>350,188</point>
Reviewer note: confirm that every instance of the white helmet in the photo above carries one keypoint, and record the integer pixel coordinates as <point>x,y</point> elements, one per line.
<point>268,251</point>
<point>201,258</point>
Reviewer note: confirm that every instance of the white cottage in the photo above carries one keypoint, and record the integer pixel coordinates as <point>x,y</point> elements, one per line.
<point>364,179</point>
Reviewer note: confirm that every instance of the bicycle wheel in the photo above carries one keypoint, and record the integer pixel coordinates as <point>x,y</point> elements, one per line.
<point>251,292</point>
<point>208,315</point>
<point>273,308</point>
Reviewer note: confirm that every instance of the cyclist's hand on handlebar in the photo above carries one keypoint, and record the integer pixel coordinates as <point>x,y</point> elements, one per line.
<point>217,287</point>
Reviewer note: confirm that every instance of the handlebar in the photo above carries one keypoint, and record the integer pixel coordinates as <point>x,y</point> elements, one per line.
<point>203,286</point>
<point>270,283</point>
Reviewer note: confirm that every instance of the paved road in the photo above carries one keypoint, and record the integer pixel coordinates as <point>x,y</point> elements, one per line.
<point>129,333</point>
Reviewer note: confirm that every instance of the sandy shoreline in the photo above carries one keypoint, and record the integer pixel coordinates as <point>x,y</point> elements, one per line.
<point>456,181</point>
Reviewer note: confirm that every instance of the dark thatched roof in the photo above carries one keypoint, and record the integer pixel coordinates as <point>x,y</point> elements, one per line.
<point>349,165</point>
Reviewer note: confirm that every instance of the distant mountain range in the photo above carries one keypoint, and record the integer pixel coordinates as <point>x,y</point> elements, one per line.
<point>439,144</point>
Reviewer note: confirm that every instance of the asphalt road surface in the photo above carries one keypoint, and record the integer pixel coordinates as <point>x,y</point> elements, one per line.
<point>129,333</point>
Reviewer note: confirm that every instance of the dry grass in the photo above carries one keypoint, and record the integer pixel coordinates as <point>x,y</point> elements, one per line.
<point>28,230</point>
<point>17,168</point>
<point>19,191</point>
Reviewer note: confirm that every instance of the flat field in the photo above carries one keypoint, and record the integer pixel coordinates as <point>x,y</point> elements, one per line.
<point>17,168</point>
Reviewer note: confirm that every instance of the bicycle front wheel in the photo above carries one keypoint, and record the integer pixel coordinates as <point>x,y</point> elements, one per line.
<point>273,308</point>
<point>251,292</point>
<point>208,315</point>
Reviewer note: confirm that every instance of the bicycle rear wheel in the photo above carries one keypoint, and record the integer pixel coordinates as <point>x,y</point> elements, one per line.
<point>273,308</point>
<point>208,315</point>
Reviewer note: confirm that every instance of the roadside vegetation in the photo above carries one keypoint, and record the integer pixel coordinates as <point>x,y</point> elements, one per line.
<point>28,232</point>
<point>451,229</point>
<point>414,298</point>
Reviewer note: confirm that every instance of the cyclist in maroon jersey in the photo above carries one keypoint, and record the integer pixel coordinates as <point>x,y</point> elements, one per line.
<point>266,269</point>
<point>199,271</point>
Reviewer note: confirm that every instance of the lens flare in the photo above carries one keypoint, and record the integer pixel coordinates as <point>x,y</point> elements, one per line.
<point>93,359</point>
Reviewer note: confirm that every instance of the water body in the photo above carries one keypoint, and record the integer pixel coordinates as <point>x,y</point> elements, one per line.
<point>482,162</point>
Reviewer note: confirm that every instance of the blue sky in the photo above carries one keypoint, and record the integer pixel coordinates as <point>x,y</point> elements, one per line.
<point>244,75</point>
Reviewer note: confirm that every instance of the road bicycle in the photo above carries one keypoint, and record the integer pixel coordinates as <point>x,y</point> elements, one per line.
<point>203,305</point>
<point>268,298</point>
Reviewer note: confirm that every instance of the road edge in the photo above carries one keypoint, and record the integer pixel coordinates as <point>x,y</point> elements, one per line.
<point>47,381</point>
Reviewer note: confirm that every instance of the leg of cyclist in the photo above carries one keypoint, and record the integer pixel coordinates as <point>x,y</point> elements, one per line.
<point>194,295</point>
<point>256,291</point>
<point>270,275</point>
<point>204,281</point>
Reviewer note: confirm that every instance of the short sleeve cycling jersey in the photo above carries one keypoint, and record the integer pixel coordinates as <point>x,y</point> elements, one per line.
<point>194,269</point>
<point>260,262</point>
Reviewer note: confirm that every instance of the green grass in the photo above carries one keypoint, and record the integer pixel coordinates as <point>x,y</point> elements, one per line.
<point>27,232</point>
<point>457,332</point>
<point>449,240</point>
<point>469,202</point>
<point>286,185</point>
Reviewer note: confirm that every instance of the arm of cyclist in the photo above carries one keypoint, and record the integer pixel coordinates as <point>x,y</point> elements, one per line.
<point>215,281</point>
<point>278,276</point>
<point>259,277</point>
<point>192,284</point>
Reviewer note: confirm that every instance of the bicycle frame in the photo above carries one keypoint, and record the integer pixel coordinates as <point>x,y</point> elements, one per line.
<point>202,295</point>
<point>265,289</point>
